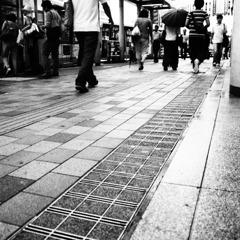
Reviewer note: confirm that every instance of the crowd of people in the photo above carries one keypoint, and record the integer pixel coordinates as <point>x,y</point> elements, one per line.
<point>193,42</point>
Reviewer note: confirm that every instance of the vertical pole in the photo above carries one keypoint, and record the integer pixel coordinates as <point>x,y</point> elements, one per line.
<point>36,10</point>
<point>235,53</point>
<point>121,30</point>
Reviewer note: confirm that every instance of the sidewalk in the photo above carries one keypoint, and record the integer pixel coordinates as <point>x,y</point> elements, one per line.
<point>98,159</point>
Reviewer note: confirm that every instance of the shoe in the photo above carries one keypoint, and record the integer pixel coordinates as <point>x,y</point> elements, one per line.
<point>141,66</point>
<point>218,64</point>
<point>93,84</point>
<point>214,64</point>
<point>8,72</point>
<point>196,66</point>
<point>81,89</point>
<point>45,76</point>
<point>174,68</point>
<point>165,68</point>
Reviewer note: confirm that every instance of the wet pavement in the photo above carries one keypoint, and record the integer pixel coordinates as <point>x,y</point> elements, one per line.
<point>145,155</point>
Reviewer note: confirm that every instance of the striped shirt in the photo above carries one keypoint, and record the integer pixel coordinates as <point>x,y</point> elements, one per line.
<point>200,16</point>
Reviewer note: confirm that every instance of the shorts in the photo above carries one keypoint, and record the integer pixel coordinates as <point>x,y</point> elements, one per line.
<point>7,47</point>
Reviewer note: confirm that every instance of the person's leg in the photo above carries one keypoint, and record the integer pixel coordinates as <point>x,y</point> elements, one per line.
<point>215,53</point>
<point>174,55</point>
<point>220,49</point>
<point>193,49</point>
<point>46,50</point>
<point>138,52</point>
<point>145,49</point>
<point>155,51</point>
<point>14,55</point>
<point>55,56</point>
<point>167,55</point>
<point>88,41</point>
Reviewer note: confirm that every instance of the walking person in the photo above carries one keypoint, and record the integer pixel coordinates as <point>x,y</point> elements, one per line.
<point>197,37</point>
<point>156,43</point>
<point>9,45</point>
<point>218,30</point>
<point>171,53</point>
<point>52,42</point>
<point>142,43</point>
<point>184,47</point>
<point>86,27</point>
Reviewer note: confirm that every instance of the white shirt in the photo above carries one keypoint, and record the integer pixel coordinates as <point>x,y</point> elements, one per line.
<point>86,15</point>
<point>218,31</point>
<point>172,33</point>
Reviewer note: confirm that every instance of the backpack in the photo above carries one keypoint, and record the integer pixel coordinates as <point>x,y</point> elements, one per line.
<point>9,33</point>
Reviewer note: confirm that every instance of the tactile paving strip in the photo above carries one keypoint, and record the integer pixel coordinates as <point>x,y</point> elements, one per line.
<point>102,204</point>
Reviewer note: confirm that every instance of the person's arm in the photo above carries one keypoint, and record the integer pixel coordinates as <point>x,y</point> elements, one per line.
<point>4,25</point>
<point>107,11</point>
<point>207,22</point>
<point>187,22</point>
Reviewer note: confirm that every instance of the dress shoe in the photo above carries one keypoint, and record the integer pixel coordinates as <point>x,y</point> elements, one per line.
<point>93,84</point>
<point>81,89</point>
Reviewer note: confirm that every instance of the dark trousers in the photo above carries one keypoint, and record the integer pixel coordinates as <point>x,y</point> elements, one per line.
<point>197,47</point>
<point>218,48</point>
<point>33,54</point>
<point>184,50</point>
<point>156,48</point>
<point>88,42</point>
<point>171,53</point>
<point>51,47</point>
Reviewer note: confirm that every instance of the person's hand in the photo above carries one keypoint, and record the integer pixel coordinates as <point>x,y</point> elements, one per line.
<point>111,21</point>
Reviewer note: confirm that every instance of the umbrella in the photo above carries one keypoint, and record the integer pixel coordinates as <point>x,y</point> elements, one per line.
<point>175,18</point>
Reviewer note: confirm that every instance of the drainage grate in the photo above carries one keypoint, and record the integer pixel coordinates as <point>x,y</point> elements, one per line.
<point>103,203</point>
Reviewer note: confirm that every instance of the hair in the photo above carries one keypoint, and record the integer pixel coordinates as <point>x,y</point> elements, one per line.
<point>219,16</point>
<point>199,4</point>
<point>143,13</point>
<point>11,17</point>
<point>47,3</point>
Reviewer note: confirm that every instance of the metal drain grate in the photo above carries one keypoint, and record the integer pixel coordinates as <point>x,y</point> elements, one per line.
<point>103,203</point>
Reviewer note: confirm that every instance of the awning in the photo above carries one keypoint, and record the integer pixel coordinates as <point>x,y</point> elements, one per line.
<point>153,4</point>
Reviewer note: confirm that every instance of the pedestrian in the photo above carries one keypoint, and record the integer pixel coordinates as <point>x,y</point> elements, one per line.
<point>52,41</point>
<point>142,42</point>
<point>86,27</point>
<point>218,30</point>
<point>156,43</point>
<point>31,43</point>
<point>171,53</point>
<point>197,37</point>
<point>9,45</point>
<point>184,46</point>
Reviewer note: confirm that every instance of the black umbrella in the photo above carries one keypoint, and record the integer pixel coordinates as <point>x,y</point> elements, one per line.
<point>175,18</point>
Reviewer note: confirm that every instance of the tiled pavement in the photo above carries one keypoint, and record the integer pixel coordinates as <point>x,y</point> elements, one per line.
<point>122,132</point>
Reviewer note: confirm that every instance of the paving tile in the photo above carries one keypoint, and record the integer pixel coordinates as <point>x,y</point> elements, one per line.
<point>66,115</point>
<point>89,123</point>
<point>10,186</point>
<point>6,169</point>
<point>93,153</point>
<point>38,126</point>
<point>53,120</point>
<point>11,148</point>
<point>6,230</point>
<point>61,137</point>
<point>91,135</point>
<point>120,134</point>
<point>29,236</point>
<point>4,140</point>
<point>43,147</point>
<point>76,130</point>
<point>20,158</point>
<point>103,128</point>
<point>21,133</point>
<point>58,155</point>
<point>29,171</point>
<point>75,167</point>
<point>108,142</point>
<point>217,215</point>
<point>31,139</point>
<point>76,144</point>
<point>21,208</point>
<point>169,214</point>
<point>52,185</point>
<point>50,131</point>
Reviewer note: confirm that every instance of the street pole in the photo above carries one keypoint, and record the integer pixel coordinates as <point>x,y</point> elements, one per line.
<point>121,30</point>
<point>235,53</point>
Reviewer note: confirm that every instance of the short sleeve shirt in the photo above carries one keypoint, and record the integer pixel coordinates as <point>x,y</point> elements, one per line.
<point>144,25</point>
<point>200,16</point>
<point>218,31</point>
<point>86,15</point>
<point>53,19</point>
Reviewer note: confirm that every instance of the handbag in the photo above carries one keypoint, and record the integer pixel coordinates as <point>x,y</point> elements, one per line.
<point>20,38</point>
<point>136,31</point>
<point>9,33</point>
<point>34,32</point>
<point>69,12</point>
<point>225,38</point>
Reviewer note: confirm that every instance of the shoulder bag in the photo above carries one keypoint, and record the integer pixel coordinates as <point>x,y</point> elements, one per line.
<point>200,28</point>
<point>9,33</point>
